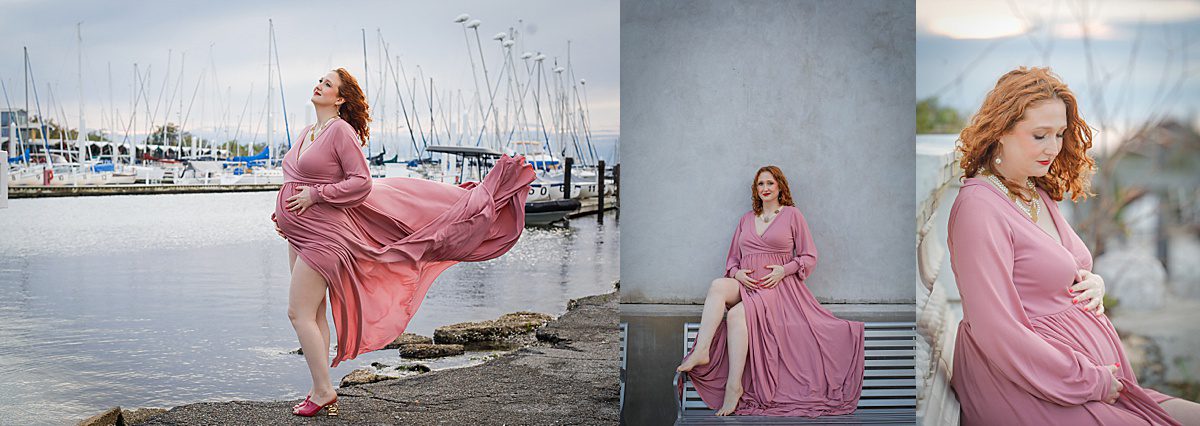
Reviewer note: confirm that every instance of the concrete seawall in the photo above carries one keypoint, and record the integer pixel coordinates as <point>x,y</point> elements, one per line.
<point>568,376</point>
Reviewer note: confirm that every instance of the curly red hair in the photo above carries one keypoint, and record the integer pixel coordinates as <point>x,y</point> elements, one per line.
<point>785,193</point>
<point>355,109</point>
<point>1003,107</point>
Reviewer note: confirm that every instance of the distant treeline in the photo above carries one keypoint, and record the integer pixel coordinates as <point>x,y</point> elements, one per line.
<point>937,119</point>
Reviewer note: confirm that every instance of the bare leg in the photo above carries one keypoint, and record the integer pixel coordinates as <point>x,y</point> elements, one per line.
<point>323,322</point>
<point>722,293</point>
<point>739,345</point>
<point>291,267</point>
<point>1186,412</point>
<point>307,291</point>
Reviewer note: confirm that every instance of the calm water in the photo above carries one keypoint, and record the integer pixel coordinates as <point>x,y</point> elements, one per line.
<point>156,301</point>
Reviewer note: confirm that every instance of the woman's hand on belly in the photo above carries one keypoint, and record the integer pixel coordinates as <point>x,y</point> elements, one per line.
<point>1114,388</point>
<point>277,230</point>
<point>1089,287</point>
<point>772,279</point>
<point>743,276</point>
<point>300,202</point>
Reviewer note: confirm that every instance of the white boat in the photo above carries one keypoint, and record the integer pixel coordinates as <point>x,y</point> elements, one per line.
<point>148,174</point>
<point>124,175</point>
<point>26,176</point>
<point>201,172</point>
<point>539,213</point>
<point>262,175</point>
<point>544,190</point>
<point>66,174</point>
<point>583,185</point>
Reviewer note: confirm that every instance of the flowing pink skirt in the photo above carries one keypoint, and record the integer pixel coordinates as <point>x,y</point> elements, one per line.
<point>802,360</point>
<point>380,257</point>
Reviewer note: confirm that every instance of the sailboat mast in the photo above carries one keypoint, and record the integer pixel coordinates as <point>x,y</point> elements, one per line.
<point>79,135</point>
<point>270,87</point>
<point>26,50</point>
<point>366,77</point>
<point>366,70</point>
<point>112,117</point>
<point>179,114</point>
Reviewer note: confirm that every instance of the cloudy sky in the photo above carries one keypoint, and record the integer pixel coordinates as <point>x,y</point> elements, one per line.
<point>1144,54</point>
<point>222,45</point>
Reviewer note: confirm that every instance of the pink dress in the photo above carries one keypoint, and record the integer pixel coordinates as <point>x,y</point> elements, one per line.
<point>802,360</point>
<point>380,243</point>
<point>1025,354</point>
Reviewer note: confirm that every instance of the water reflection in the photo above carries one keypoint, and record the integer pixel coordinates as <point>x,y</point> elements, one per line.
<point>166,300</point>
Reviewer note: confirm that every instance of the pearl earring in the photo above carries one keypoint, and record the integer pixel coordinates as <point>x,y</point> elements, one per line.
<point>997,161</point>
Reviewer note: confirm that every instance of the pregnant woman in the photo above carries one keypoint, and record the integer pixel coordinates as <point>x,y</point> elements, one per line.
<point>375,245</point>
<point>1034,347</point>
<point>777,352</point>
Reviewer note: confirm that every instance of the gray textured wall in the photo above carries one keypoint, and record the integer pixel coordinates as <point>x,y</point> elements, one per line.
<point>711,90</point>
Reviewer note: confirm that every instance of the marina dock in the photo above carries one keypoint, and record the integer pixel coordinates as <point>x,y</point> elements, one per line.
<point>15,192</point>
<point>589,206</point>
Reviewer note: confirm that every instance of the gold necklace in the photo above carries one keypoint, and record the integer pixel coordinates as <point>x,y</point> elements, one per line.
<point>1031,209</point>
<point>312,136</point>
<point>766,219</point>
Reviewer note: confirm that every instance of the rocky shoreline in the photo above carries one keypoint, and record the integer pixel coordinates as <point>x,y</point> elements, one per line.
<point>564,371</point>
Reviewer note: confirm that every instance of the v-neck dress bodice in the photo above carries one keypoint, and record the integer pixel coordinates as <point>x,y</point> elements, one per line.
<point>802,360</point>
<point>380,243</point>
<point>1025,354</point>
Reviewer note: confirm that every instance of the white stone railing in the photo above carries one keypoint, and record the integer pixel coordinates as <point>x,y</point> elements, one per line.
<point>938,310</point>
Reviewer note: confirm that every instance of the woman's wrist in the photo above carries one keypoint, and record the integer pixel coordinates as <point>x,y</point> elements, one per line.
<point>791,268</point>
<point>1104,385</point>
<point>315,194</point>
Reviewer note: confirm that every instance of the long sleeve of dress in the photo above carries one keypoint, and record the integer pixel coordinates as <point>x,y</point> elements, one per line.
<point>355,187</point>
<point>982,255</point>
<point>734,261</point>
<point>806,252</point>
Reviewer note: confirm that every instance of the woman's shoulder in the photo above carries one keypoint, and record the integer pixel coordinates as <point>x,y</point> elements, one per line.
<point>977,203</point>
<point>973,198</point>
<point>344,130</point>
<point>341,123</point>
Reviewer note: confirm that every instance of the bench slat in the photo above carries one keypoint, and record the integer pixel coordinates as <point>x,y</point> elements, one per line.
<point>893,353</point>
<point>869,383</point>
<point>893,333</point>
<point>889,383</point>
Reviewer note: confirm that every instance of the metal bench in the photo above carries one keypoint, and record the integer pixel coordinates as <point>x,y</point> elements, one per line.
<point>889,394</point>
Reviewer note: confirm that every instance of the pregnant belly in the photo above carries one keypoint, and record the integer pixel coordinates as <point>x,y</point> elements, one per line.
<point>292,224</point>
<point>759,263</point>
<point>1091,335</point>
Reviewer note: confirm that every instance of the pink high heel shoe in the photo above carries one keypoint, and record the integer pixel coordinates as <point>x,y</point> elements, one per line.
<point>298,404</point>
<point>308,408</point>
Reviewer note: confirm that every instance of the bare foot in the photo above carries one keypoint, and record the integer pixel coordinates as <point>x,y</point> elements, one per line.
<point>697,358</point>
<point>732,395</point>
